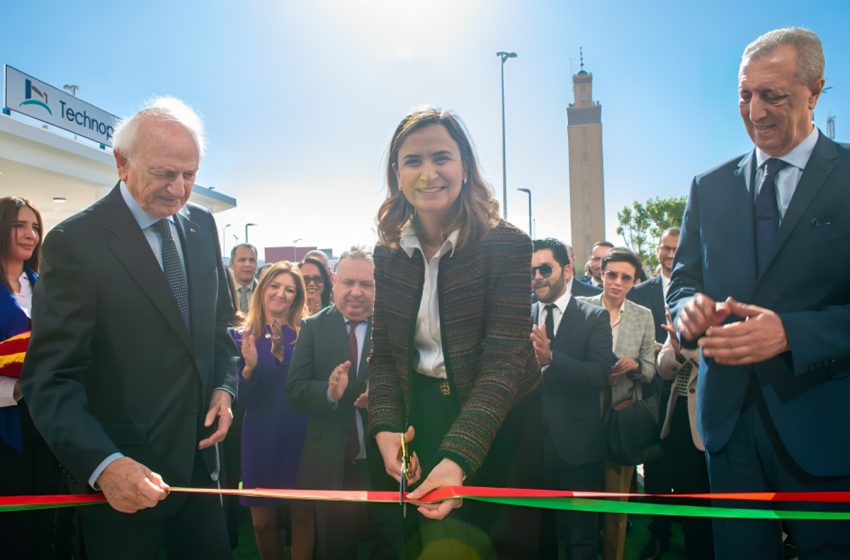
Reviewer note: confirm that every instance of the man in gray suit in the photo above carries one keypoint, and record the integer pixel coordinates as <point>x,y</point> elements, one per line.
<point>327,378</point>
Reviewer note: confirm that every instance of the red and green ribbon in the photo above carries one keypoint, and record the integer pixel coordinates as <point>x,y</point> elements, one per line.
<point>602,502</point>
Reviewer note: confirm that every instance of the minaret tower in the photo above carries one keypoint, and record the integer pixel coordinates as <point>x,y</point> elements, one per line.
<point>584,138</point>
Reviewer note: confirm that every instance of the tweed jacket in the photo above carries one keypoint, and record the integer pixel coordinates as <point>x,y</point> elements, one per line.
<point>636,340</point>
<point>485,321</point>
<point>669,368</point>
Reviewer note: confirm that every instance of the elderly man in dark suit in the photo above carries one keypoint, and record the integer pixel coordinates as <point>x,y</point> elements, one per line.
<point>129,375</point>
<point>572,341</point>
<point>327,378</point>
<point>773,325</point>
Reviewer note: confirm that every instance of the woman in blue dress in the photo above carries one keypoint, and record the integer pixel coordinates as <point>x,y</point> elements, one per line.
<point>26,464</point>
<point>272,433</point>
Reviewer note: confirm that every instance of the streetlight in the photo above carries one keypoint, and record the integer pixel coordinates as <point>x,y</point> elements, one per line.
<point>72,88</point>
<point>504,56</point>
<point>295,248</point>
<point>528,192</point>
<point>224,239</point>
<point>246,230</point>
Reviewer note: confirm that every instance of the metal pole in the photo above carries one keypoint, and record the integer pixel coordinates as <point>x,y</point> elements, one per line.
<point>246,231</point>
<point>504,56</point>
<point>530,230</point>
<point>224,239</point>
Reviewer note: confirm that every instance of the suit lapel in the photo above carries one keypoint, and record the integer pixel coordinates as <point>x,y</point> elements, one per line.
<point>739,221</point>
<point>131,248</point>
<point>562,334</point>
<point>820,165</point>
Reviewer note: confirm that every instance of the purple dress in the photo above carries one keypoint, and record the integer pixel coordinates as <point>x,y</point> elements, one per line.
<point>272,432</point>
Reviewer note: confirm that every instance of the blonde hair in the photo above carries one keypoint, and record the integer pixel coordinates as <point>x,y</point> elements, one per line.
<point>255,321</point>
<point>475,212</point>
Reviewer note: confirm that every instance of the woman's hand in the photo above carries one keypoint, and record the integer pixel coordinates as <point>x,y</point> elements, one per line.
<point>389,444</point>
<point>446,473</point>
<point>249,354</point>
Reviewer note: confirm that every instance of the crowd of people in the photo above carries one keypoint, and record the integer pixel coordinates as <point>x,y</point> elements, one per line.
<point>151,364</point>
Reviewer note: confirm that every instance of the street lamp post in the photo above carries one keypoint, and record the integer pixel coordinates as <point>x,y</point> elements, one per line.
<point>504,56</point>
<point>528,192</point>
<point>246,230</point>
<point>224,239</point>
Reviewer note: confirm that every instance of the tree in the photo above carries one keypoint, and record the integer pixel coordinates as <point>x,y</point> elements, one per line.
<point>641,225</point>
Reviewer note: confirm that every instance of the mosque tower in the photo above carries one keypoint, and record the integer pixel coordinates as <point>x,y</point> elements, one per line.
<point>584,138</point>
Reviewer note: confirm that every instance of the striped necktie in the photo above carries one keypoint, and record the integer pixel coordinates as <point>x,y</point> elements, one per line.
<point>174,272</point>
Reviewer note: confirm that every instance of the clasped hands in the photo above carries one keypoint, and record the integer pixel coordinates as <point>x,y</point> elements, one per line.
<point>129,486</point>
<point>759,334</point>
<point>445,473</point>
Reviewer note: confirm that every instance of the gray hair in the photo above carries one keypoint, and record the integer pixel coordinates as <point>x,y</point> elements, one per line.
<point>168,109</point>
<point>356,252</point>
<point>810,60</point>
<point>317,254</point>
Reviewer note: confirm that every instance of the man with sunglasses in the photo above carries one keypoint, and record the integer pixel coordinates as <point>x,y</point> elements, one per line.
<point>572,341</point>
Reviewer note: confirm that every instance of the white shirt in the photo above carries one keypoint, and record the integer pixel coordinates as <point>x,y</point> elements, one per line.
<point>787,179</point>
<point>428,338</point>
<point>665,285</point>
<point>557,312</point>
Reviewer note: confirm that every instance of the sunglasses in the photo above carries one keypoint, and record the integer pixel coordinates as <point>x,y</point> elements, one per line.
<point>545,270</point>
<point>313,280</point>
<point>613,275</point>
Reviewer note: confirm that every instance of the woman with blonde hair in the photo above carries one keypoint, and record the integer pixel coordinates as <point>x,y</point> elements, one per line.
<point>272,432</point>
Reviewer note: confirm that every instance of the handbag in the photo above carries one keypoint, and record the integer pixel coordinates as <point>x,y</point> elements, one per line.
<point>631,426</point>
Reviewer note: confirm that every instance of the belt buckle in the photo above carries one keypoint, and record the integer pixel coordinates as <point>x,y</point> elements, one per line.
<point>445,388</point>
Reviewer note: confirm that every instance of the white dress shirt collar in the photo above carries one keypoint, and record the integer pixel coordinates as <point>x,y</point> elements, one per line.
<point>409,242</point>
<point>798,156</point>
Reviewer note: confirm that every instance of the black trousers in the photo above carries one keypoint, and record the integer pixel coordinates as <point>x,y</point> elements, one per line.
<point>688,474</point>
<point>40,534</point>
<point>754,460</point>
<point>196,530</point>
<point>514,460</point>
<point>579,531</point>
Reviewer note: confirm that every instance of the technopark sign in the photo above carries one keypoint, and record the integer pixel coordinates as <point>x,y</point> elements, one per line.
<point>34,98</point>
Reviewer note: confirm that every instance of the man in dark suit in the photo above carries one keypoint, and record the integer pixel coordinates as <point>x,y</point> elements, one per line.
<point>572,341</point>
<point>327,378</point>
<point>652,293</point>
<point>129,375</point>
<point>749,285</point>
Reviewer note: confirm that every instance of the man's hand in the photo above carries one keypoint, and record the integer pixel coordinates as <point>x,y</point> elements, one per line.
<point>130,486</point>
<point>760,336</point>
<point>700,313</point>
<point>362,400</point>
<point>389,444</point>
<point>219,409</point>
<point>338,381</point>
<point>542,346</point>
<point>625,365</point>
<point>446,473</point>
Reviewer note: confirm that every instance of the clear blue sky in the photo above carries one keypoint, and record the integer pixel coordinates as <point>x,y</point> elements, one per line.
<point>300,97</point>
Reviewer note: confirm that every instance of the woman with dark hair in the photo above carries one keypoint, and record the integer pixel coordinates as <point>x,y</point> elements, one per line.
<point>26,464</point>
<point>272,432</point>
<point>318,282</point>
<point>452,367</point>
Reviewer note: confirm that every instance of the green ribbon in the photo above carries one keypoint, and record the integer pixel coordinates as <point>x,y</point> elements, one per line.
<point>677,510</point>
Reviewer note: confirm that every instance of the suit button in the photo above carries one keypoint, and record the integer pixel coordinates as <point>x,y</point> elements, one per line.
<point>692,391</point>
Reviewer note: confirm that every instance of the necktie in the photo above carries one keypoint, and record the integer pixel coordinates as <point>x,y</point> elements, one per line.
<point>173,268</point>
<point>550,321</point>
<point>352,447</point>
<point>244,305</point>
<point>767,213</point>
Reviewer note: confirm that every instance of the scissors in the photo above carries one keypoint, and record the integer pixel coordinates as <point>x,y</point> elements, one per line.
<point>405,467</point>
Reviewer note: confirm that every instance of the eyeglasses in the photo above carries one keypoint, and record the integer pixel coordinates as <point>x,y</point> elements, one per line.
<point>313,280</point>
<point>613,275</point>
<point>545,270</point>
<point>666,249</point>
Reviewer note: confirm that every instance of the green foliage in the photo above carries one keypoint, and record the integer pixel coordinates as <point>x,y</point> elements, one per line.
<point>642,223</point>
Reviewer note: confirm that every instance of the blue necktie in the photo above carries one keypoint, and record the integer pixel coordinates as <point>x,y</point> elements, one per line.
<point>174,272</point>
<point>767,213</point>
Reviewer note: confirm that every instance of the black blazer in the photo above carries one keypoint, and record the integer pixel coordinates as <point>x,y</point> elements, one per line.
<point>583,289</point>
<point>322,345</point>
<point>650,294</point>
<point>573,382</point>
<point>111,366</point>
